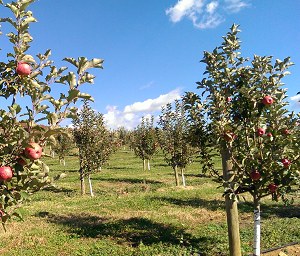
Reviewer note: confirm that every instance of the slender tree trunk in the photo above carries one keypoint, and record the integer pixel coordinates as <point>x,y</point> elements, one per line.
<point>256,243</point>
<point>64,162</point>
<point>176,175</point>
<point>231,206</point>
<point>148,163</point>
<point>90,184</point>
<point>182,175</point>
<point>81,173</point>
<point>82,182</point>
<point>144,164</point>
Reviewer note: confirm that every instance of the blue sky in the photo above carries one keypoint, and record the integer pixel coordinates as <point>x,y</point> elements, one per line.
<point>151,49</point>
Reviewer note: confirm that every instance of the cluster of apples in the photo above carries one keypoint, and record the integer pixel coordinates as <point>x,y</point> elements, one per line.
<point>32,153</point>
<point>23,69</point>
<point>255,175</point>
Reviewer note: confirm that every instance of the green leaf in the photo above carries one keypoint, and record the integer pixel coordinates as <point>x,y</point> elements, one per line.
<point>28,58</point>
<point>72,61</point>
<point>73,93</point>
<point>13,8</point>
<point>95,63</point>
<point>85,96</point>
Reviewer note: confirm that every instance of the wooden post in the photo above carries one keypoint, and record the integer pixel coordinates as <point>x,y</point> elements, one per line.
<point>231,206</point>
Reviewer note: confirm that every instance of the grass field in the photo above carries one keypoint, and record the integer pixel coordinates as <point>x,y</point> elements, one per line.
<point>152,218</point>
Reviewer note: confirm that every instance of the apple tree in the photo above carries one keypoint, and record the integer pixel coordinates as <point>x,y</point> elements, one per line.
<point>242,115</point>
<point>93,140</point>
<point>22,135</point>
<point>145,143</point>
<point>173,138</point>
<point>63,144</point>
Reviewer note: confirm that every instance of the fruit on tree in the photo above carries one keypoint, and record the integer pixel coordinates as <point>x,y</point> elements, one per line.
<point>285,132</point>
<point>21,161</point>
<point>229,136</point>
<point>1,214</point>
<point>285,162</point>
<point>6,173</point>
<point>255,175</point>
<point>267,100</point>
<point>228,99</point>
<point>23,69</point>
<point>261,131</point>
<point>236,118</point>
<point>155,144</point>
<point>270,134</point>
<point>33,153</point>
<point>272,187</point>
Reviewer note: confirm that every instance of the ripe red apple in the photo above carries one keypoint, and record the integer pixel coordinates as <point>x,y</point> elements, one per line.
<point>124,193</point>
<point>155,144</point>
<point>285,132</point>
<point>270,134</point>
<point>35,152</point>
<point>285,162</point>
<point>229,136</point>
<point>272,187</point>
<point>255,175</point>
<point>267,100</point>
<point>23,69</point>
<point>5,173</point>
<point>261,131</point>
<point>1,214</point>
<point>228,99</point>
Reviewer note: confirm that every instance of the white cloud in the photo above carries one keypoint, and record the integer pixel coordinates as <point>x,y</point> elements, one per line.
<point>131,115</point>
<point>147,85</point>
<point>209,17</point>
<point>296,103</point>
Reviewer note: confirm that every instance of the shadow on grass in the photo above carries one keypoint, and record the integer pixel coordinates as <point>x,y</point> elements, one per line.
<point>131,231</point>
<point>128,180</point>
<point>267,210</point>
<point>59,190</point>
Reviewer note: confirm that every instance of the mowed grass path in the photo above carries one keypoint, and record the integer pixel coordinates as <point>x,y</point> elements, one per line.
<point>136,212</point>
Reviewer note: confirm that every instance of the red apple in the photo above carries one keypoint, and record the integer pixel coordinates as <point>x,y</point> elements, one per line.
<point>1,214</point>
<point>267,100</point>
<point>228,99</point>
<point>285,162</point>
<point>5,173</point>
<point>270,134</point>
<point>124,193</point>
<point>236,118</point>
<point>35,152</point>
<point>21,161</point>
<point>285,132</point>
<point>229,136</point>
<point>155,144</point>
<point>23,69</point>
<point>261,131</point>
<point>272,187</point>
<point>255,175</point>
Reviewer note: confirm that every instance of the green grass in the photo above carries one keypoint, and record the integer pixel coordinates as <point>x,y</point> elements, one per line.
<point>152,218</point>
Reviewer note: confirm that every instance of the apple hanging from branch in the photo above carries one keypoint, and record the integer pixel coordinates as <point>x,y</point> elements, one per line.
<point>23,69</point>
<point>35,152</point>
<point>6,173</point>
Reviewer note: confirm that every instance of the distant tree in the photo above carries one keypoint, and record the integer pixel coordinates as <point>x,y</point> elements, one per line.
<point>94,142</point>
<point>145,142</point>
<point>174,138</point>
<point>123,136</point>
<point>64,143</point>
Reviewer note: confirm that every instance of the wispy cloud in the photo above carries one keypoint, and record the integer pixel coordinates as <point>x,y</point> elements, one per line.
<point>147,85</point>
<point>296,103</point>
<point>131,116</point>
<point>204,15</point>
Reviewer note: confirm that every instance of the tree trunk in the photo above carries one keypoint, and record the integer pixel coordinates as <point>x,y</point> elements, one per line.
<point>90,184</point>
<point>176,175</point>
<point>256,243</point>
<point>231,206</point>
<point>182,175</point>
<point>144,164</point>
<point>148,163</point>
<point>82,182</point>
